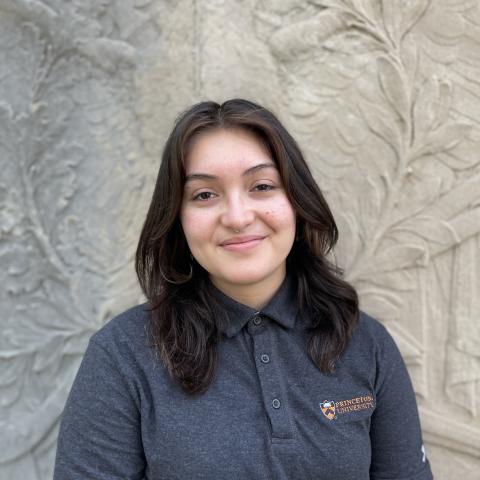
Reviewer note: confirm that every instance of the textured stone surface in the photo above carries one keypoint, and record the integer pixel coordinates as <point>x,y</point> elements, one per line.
<point>384,98</point>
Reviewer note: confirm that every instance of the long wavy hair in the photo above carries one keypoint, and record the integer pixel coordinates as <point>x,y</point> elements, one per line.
<point>184,320</point>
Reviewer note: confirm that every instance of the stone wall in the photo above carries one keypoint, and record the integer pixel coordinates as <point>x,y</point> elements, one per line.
<point>382,95</point>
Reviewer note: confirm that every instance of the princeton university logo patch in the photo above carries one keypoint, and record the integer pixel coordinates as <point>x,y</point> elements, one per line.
<point>328,409</point>
<point>332,409</point>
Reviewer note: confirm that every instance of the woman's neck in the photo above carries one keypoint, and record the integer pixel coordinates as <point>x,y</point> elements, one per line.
<point>255,295</point>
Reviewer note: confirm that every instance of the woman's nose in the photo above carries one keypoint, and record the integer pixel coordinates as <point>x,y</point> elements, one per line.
<point>238,213</point>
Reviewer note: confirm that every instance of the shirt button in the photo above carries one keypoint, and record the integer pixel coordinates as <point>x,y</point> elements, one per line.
<point>276,403</point>
<point>257,321</point>
<point>265,358</point>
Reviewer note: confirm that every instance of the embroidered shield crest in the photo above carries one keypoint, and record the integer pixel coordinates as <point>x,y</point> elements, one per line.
<point>328,409</point>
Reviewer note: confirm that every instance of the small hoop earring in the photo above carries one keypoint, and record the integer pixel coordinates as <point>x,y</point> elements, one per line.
<point>178,282</point>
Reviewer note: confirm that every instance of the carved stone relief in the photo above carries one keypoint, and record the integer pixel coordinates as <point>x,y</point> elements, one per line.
<point>382,95</point>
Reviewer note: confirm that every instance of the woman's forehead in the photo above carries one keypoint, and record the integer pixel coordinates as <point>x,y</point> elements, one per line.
<point>221,150</point>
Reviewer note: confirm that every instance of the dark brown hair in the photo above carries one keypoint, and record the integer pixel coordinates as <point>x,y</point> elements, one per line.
<point>184,321</point>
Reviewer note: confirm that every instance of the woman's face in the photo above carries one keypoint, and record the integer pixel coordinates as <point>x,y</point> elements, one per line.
<point>237,220</point>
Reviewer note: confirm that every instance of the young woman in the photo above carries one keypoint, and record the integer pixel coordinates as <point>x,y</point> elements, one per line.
<point>250,359</point>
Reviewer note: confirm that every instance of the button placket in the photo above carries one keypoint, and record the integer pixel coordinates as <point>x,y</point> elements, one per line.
<point>270,381</point>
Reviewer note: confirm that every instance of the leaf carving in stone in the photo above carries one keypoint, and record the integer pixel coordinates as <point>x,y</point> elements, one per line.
<point>395,86</point>
<point>73,32</point>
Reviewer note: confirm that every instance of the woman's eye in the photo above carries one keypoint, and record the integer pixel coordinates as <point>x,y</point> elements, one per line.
<point>204,196</point>
<point>263,187</point>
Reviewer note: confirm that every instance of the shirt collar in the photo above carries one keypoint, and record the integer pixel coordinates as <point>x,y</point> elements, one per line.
<point>282,308</point>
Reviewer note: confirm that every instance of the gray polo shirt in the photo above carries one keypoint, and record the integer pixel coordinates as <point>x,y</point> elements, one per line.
<point>269,414</point>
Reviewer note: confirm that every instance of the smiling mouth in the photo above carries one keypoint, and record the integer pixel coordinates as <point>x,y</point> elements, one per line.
<point>241,244</point>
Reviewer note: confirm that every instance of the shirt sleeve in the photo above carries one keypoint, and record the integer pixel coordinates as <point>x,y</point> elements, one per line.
<point>100,435</point>
<point>396,439</point>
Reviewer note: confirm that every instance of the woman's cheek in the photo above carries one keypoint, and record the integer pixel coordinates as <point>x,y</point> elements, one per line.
<point>281,214</point>
<point>196,225</point>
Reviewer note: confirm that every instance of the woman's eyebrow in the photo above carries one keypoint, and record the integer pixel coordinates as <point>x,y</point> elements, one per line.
<point>199,176</point>
<point>207,176</point>
<point>260,166</point>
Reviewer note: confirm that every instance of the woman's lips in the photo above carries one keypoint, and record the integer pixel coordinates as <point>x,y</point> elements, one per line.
<point>241,243</point>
